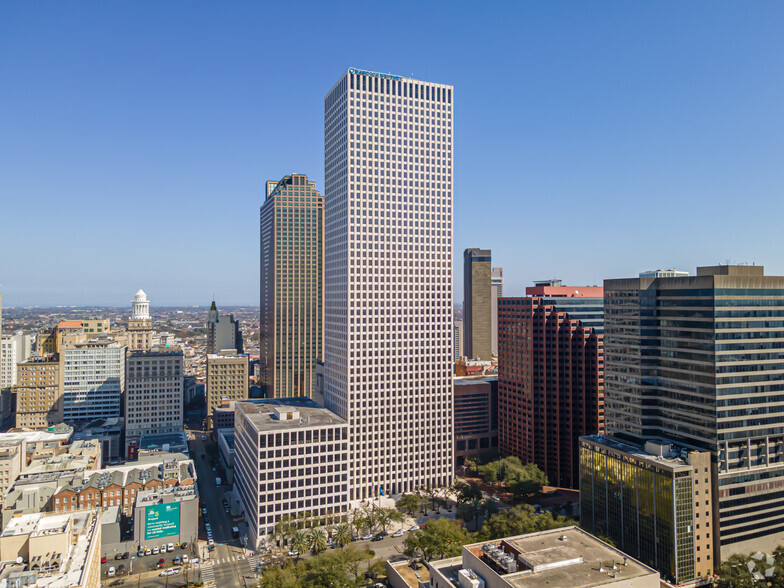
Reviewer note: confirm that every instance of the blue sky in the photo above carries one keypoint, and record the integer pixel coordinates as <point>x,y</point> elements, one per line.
<point>592,139</point>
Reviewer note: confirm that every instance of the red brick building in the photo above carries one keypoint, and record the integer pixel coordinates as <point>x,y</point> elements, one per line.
<point>550,377</point>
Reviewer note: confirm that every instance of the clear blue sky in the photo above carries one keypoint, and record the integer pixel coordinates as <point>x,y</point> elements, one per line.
<point>592,139</point>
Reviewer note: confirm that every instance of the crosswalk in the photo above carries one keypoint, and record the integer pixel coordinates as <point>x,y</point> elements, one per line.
<point>207,576</point>
<point>253,562</point>
<point>226,559</point>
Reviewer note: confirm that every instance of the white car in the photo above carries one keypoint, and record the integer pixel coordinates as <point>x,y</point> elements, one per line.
<point>184,559</point>
<point>414,528</point>
<point>293,553</point>
<point>111,571</point>
<point>366,537</point>
<point>170,547</point>
<point>399,533</point>
<point>156,550</point>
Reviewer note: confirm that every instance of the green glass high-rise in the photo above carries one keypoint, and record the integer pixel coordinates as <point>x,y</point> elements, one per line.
<point>292,269</point>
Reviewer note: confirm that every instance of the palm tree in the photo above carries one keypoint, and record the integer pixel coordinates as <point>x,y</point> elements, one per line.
<point>489,506</point>
<point>318,540</point>
<point>479,510</point>
<point>342,534</point>
<point>299,542</point>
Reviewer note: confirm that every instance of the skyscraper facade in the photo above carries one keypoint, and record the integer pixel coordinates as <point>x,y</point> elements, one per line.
<point>496,292</point>
<point>223,332</point>
<point>550,377</point>
<point>292,265</point>
<point>93,380</point>
<point>388,278</point>
<point>477,304</point>
<point>697,359</point>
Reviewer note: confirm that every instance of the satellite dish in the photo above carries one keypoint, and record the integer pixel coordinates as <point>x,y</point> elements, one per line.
<point>19,560</point>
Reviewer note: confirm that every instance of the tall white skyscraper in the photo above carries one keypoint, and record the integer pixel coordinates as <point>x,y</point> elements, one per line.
<point>388,278</point>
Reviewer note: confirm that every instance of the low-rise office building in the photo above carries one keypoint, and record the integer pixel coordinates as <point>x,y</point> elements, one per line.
<point>291,457</point>
<point>166,515</point>
<point>476,417</point>
<point>558,558</point>
<point>56,551</point>
<point>655,503</point>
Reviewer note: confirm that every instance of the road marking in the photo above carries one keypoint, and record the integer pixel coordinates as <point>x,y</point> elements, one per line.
<point>207,576</point>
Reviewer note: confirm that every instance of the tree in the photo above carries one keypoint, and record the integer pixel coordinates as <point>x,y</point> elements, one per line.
<point>520,520</point>
<point>528,481</point>
<point>284,528</point>
<point>318,540</point>
<point>279,578</point>
<point>489,506</point>
<point>467,491</point>
<point>342,535</point>
<point>300,542</point>
<point>409,503</point>
<point>734,573</point>
<point>439,539</point>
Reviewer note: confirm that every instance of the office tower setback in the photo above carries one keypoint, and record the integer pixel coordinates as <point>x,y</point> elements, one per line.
<point>227,379</point>
<point>496,292</point>
<point>477,304</point>
<point>153,393</point>
<point>550,377</point>
<point>696,359</point>
<point>268,487</point>
<point>94,380</point>
<point>292,262</point>
<point>655,503</point>
<point>39,392</point>
<point>388,278</point>
<point>140,323</point>
<point>223,332</point>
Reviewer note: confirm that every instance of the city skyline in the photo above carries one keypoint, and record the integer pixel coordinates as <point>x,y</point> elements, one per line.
<point>648,142</point>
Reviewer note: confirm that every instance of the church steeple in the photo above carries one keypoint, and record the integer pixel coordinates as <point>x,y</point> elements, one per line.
<point>212,317</point>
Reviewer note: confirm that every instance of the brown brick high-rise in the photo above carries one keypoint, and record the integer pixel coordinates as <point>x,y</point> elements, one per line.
<point>550,377</point>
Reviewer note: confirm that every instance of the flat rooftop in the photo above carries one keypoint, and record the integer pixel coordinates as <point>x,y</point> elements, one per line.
<point>638,452</point>
<point>177,441</point>
<point>565,558</point>
<point>311,414</point>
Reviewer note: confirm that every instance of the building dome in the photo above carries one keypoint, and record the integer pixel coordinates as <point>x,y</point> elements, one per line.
<point>140,306</point>
<point>140,295</point>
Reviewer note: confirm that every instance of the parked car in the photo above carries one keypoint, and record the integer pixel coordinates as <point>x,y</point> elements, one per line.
<point>204,438</point>
<point>147,551</point>
<point>170,547</point>
<point>414,528</point>
<point>103,559</point>
<point>399,533</point>
<point>366,537</point>
<point>293,553</point>
<point>156,550</point>
<point>111,571</point>
<point>184,545</point>
<point>120,570</point>
<point>126,555</point>
<point>176,560</point>
<point>377,538</point>
<point>185,558</point>
<point>118,556</point>
<point>117,583</point>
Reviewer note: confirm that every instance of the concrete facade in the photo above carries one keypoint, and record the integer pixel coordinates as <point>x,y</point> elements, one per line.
<point>496,292</point>
<point>40,392</point>
<point>388,279</point>
<point>476,417</point>
<point>291,457</point>
<point>227,380</point>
